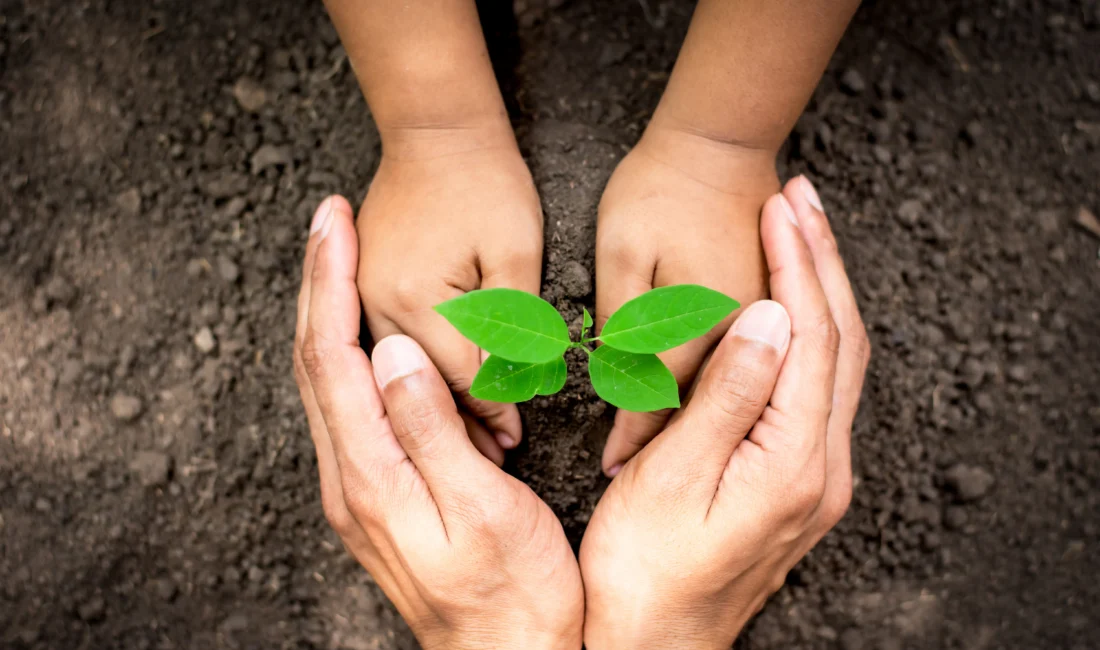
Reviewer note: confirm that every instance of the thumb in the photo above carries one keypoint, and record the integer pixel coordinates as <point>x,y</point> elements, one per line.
<point>425,419</point>
<point>731,394</point>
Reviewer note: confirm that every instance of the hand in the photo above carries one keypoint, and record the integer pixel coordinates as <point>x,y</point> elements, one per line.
<point>449,211</point>
<point>470,556</point>
<point>704,523</point>
<point>679,209</point>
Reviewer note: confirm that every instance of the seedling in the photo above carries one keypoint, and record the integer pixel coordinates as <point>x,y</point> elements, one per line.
<point>526,339</point>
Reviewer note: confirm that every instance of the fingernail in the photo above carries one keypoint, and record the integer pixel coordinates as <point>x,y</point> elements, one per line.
<point>321,216</point>
<point>614,470</point>
<point>396,357</point>
<point>505,440</point>
<point>765,321</point>
<point>331,219</point>
<point>810,193</point>
<point>788,210</point>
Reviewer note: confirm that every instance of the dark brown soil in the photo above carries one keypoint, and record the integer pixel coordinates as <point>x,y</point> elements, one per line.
<point>158,165</point>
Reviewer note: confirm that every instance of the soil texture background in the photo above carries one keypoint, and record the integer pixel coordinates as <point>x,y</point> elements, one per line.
<point>160,161</point>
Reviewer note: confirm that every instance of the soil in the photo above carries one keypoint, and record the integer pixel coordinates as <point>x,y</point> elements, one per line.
<point>159,164</point>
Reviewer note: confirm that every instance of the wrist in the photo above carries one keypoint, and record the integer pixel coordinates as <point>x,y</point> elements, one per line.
<point>744,144</point>
<point>633,621</point>
<point>729,166</point>
<point>428,140</point>
<point>659,635</point>
<point>504,637</point>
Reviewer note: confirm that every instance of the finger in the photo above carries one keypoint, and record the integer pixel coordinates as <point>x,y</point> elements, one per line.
<point>803,395</point>
<point>458,360</point>
<point>729,398</point>
<point>624,273</point>
<point>332,494</point>
<point>354,498</point>
<point>855,349</point>
<point>483,439</point>
<point>338,370</point>
<point>426,421</point>
<point>332,497</point>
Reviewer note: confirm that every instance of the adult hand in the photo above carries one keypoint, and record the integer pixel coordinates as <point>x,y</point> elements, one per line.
<point>703,524</point>
<point>679,209</point>
<point>470,556</point>
<point>449,211</point>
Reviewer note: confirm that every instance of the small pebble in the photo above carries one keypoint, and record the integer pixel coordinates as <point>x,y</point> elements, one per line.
<point>852,82</point>
<point>228,270</point>
<point>575,279</point>
<point>151,467</point>
<point>968,483</point>
<point>126,408</point>
<point>129,202</point>
<point>249,94</point>
<point>205,341</point>
<point>92,610</point>
<point>973,132</point>
<point>165,589</point>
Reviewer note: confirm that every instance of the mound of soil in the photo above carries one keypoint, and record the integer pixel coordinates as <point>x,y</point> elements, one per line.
<point>160,163</point>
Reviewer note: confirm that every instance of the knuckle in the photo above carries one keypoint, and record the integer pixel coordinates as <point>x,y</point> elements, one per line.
<point>299,367</point>
<point>774,585</point>
<point>409,294</point>
<point>459,381</point>
<point>620,253</point>
<point>826,335</point>
<point>854,333</point>
<point>804,493</point>
<point>489,514</point>
<point>337,514</point>
<point>420,419</point>
<point>313,356</point>
<point>740,392</point>
<point>863,347</point>
<point>837,499</point>
<point>362,490</point>
<point>822,235</point>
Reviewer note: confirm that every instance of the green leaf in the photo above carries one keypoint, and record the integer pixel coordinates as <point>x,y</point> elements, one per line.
<point>500,380</point>
<point>632,382</point>
<point>508,323</point>
<point>587,318</point>
<point>664,318</point>
<point>553,377</point>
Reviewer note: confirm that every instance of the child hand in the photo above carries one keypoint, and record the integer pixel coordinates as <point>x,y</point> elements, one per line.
<point>703,524</point>
<point>470,556</point>
<point>449,211</point>
<point>679,209</point>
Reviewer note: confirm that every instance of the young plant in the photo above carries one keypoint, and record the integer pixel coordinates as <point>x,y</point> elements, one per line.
<point>526,339</point>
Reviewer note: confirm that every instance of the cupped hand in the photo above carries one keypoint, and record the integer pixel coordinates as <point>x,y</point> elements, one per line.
<point>470,556</point>
<point>702,526</point>
<point>679,209</point>
<point>449,211</point>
